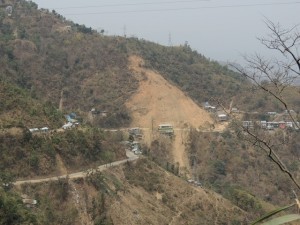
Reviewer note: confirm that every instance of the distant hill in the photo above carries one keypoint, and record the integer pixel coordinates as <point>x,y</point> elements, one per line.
<point>50,66</point>
<point>65,63</point>
<point>202,79</point>
<point>78,69</point>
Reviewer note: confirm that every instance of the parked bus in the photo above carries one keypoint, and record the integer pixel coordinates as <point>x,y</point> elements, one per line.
<point>166,129</point>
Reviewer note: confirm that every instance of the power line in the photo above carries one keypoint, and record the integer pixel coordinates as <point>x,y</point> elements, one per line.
<point>186,8</point>
<point>132,4</point>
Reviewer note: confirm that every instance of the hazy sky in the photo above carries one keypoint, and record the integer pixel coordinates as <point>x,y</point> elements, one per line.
<point>219,29</point>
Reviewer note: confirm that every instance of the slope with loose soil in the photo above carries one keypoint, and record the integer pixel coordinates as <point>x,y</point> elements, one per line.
<point>162,198</point>
<point>124,195</point>
<point>158,101</point>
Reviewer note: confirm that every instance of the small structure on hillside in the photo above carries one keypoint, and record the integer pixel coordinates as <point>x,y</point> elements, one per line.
<point>248,124</point>
<point>68,125</point>
<point>263,124</point>
<point>73,118</point>
<point>222,117</point>
<point>34,130</point>
<point>282,124</point>
<point>289,124</point>
<point>289,111</point>
<point>44,129</point>
<point>95,112</point>
<point>209,107</point>
<point>28,201</point>
<point>235,110</point>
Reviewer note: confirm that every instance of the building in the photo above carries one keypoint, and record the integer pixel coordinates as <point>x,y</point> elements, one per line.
<point>68,125</point>
<point>248,124</point>
<point>222,117</point>
<point>34,130</point>
<point>44,129</point>
<point>209,107</point>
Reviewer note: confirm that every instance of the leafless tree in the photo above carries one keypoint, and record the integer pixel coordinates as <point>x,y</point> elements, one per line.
<point>273,76</point>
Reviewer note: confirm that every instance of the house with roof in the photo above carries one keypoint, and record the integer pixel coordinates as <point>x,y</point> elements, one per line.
<point>222,117</point>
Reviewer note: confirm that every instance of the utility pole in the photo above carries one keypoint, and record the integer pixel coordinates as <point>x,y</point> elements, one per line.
<point>170,39</point>
<point>124,30</point>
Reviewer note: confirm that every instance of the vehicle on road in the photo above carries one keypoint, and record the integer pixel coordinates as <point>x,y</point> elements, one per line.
<point>166,129</point>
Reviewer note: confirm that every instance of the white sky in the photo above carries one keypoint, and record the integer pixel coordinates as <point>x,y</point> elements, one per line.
<point>219,29</point>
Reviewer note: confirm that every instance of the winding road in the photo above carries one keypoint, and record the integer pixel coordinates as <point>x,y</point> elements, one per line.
<point>131,157</point>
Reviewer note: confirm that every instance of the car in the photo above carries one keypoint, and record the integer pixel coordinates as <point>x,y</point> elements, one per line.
<point>137,152</point>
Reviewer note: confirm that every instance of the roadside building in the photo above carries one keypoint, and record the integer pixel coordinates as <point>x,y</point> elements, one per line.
<point>44,129</point>
<point>68,125</point>
<point>222,117</point>
<point>248,124</point>
<point>34,130</point>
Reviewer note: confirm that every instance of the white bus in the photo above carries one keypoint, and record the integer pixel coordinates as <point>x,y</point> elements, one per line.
<point>166,129</point>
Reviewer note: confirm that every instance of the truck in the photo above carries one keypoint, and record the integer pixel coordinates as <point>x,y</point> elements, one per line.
<point>166,129</point>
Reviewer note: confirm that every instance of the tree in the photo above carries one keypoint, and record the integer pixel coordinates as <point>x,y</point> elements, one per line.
<point>275,77</point>
<point>13,211</point>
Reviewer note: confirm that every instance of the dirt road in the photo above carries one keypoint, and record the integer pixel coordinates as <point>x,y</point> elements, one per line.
<point>81,174</point>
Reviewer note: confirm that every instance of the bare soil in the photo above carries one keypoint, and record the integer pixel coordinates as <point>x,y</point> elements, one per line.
<point>178,203</point>
<point>158,101</point>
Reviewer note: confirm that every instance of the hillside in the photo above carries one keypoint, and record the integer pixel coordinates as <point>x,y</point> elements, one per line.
<point>162,102</point>
<point>157,101</point>
<point>20,108</point>
<point>230,164</point>
<point>78,69</point>
<point>124,195</point>
<point>50,66</point>
<point>202,79</point>
<point>24,154</point>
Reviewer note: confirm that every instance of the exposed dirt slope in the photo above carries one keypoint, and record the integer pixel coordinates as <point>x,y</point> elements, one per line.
<point>175,202</point>
<point>123,195</point>
<point>158,101</point>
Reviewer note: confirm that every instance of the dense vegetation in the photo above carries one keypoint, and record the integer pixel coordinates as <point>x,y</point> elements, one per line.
<point>27,155</point>
<point>13,211</point>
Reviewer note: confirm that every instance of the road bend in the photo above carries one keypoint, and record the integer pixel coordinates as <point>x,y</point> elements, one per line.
<point>131,157</point>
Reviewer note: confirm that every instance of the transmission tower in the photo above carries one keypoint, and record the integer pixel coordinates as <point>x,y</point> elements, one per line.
<point>124,30</point>
<point>170,39</point>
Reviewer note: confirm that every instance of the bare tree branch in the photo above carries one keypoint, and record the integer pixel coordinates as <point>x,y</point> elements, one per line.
<point>286,41</point>
<point>274,76</point>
